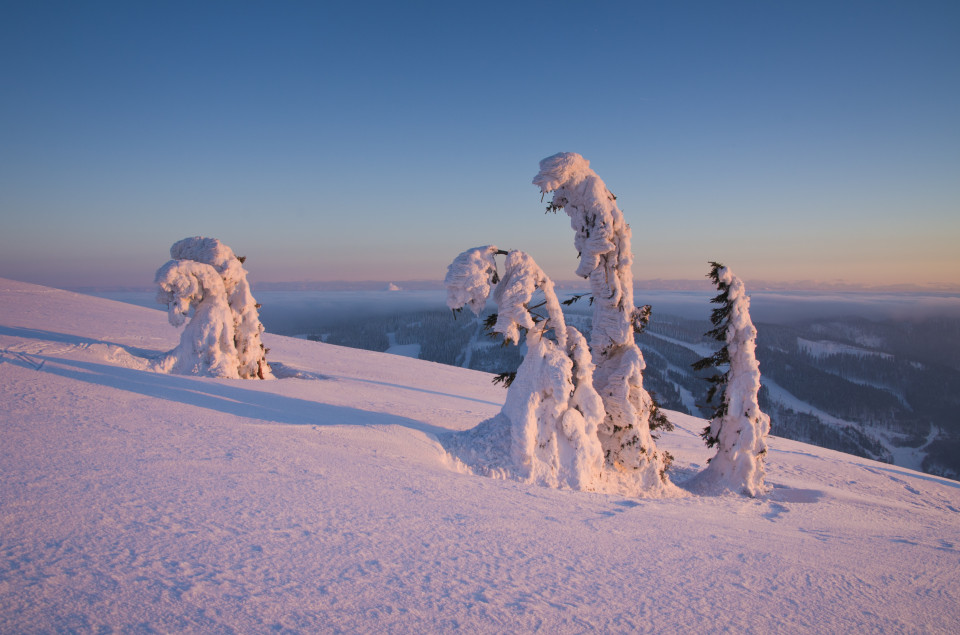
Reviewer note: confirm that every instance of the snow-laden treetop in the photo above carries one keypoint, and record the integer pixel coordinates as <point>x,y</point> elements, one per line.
<point>562,169</point>
<point>602,237</point>
<point>470,277</point>
<point>221,257</point>
<point>740,329</point>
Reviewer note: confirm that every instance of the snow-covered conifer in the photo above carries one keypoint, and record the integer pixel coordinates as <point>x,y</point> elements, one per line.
<point>602,237</point>
<point>737,428</point>
<point>252,362</point>
<point>546,432</point>
<point>207,342</point>
<point>470,277</point>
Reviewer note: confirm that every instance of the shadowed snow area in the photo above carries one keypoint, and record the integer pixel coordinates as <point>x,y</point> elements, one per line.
<point>322,502</point>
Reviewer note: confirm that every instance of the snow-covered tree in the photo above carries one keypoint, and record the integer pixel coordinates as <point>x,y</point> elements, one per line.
<point>207,342</point>
<point>737,428</point>
<point>602,237</point>
<point>246,329</point>
<point>546,432</point>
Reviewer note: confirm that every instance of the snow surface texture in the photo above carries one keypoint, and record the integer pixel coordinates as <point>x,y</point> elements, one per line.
<point>134,501</point>
<point>546,432</point>
<point>249,355</point>
<point>741,432</point>
<point>602,237</point>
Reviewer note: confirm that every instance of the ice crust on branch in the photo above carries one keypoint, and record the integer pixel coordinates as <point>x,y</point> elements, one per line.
<point>602,237</point>
<point>740,428</point>
<point>246,329</point>
<point>546,432</point>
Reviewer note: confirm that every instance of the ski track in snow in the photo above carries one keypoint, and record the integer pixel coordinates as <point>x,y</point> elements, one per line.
<point>824,348</point>
<point>404,350</point>
<point>703,350</point>
<point>322,502</point>
<point>471,345</point>
<point>786,399</point>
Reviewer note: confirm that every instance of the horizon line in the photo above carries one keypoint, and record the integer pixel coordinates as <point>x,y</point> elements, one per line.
<point>654,284</point>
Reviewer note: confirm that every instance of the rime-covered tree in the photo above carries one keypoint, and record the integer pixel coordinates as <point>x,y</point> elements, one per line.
<point>245,323</point>
<point>546,432</point>
<point>190,288</point>
<point>738,428</point>
<point>602,238</point>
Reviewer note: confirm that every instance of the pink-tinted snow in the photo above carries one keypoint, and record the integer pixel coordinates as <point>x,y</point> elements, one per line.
<point>322,502</point>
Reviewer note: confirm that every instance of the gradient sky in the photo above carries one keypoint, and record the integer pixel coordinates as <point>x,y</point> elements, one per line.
<point>376,140</point>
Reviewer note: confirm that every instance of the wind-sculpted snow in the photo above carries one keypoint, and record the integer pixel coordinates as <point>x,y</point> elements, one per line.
<point>553,421</point>
<point>469,278</point>
<point>552,410</point>
<point>135,501</point>
<point>250,354</point>
<point>564,169</point>
<point>602,237</point>
<point>741,430</point>
<point>522,278</point>
<point>206,344</point>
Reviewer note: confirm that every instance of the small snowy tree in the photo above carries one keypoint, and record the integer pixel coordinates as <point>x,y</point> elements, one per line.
<point>737,428</point>
<point>246,329</point>
<point>207,343</point>
<point>603,240</point>
<point>547,429</point>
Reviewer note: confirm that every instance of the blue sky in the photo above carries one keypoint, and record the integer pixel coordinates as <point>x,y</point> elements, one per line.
<point>375,141</point>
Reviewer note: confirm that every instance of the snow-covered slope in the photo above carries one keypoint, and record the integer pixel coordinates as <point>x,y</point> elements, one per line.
<point>322,502</point>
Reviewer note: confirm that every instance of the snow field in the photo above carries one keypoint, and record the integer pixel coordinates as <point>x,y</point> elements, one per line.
<point>323,502</point>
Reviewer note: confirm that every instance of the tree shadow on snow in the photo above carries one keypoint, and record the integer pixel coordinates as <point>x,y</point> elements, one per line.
<point>281,370</point>
<point>75,340</point>
<point>429,392</point>
<point>219,396</point>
